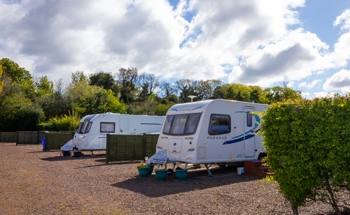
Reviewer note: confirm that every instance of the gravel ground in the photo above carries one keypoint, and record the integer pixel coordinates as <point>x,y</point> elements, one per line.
<point>37,182</point>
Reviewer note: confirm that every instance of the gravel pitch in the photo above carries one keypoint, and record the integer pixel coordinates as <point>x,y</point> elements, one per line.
<point>37,182</point>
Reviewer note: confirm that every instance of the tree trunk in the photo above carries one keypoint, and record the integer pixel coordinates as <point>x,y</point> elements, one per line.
<point>331,197</point>
<point>295,210</point>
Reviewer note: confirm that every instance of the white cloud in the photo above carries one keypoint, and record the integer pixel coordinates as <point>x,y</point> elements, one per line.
<point>290,84</point>
<point>323,94</point>
<point>295,56</point>
<point>343,19</point>
<point>339,81</point>
<point>305,95</point>
<point>57,38</point>
<point>310,85</point>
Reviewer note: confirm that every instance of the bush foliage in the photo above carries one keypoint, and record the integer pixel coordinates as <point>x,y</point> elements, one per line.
<point>65,123</point>
<point>308,144</point>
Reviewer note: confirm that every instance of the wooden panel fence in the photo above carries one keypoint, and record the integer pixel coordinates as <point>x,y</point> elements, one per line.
<point>8,137</point>
<point>130,147</point>
<point>54,141</point>
<point>27,137</point>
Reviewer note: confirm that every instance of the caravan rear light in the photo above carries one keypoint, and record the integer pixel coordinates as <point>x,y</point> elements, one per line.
<point>233,159</point>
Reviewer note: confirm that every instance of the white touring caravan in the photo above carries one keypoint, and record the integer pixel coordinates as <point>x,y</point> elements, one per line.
<point>92,130</point>
<point>212,132</point>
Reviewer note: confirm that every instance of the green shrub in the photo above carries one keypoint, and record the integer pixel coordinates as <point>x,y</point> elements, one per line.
<point>308,144</point>
<point>65,123</point>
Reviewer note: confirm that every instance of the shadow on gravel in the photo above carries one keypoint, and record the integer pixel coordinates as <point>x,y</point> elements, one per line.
<point>196,180</point>
<point>104,163</point>
<point>64,158</point>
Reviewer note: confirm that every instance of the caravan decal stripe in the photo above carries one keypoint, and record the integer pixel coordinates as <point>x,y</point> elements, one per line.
<point>240,139</point>
<point>233,141</point>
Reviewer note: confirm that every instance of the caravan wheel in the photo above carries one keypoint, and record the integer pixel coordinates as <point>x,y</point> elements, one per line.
<point>262,156</point>
<point>65,153</point>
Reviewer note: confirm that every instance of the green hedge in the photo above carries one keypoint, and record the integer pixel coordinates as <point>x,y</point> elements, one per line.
<point>308,144</point>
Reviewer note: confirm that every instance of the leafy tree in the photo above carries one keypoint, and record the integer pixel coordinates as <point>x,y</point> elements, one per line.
<point>19,113</point>
<point>13,71</point>
<point>187,87</point>
<point>147,83</point>
<point>79,77</point>
<point>1,79</point>
<point>219,92</point>
<point>102,79</point>
<point>162,109</point>
<point>205,89</point>
<point>90,99</point>
<point>44,87</point>
<point>127,78</point>
<point>167,88</point>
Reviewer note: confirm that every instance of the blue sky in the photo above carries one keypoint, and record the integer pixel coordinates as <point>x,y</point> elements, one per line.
<point>264,43</point>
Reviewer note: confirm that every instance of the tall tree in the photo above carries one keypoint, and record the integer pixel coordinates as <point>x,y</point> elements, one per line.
<point>14,71</point>
<point>1,78</point>
<point>102,79</point>
<point>147,83</point>
<point>127,78</point>
<point>44,87</point>
<point>205,89</point>
<point>167,88</point>
<point>186,87</point>
<point>79,77</point>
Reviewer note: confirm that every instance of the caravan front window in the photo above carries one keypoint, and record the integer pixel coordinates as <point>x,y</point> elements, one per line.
<point>167,124</point>
<point>179,123</point>
<point>88,127</point>
<point>184,124</point>
<point>192,123</point>
<point>79,127</point>
<point>83,127</point>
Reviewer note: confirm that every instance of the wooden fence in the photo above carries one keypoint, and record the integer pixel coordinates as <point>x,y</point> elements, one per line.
<point>8,137</point>
<point>28,137</point>
<point>54,141</point>
<point>130,147</point>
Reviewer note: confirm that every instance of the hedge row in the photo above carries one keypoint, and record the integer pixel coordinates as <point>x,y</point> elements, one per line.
<point>308,144</point>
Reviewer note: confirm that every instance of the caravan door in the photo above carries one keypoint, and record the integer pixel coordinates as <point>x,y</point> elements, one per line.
<point>249,133</point>
<point>123,125</point>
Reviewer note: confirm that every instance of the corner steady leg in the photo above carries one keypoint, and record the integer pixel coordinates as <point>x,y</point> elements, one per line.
<point>207,167</point>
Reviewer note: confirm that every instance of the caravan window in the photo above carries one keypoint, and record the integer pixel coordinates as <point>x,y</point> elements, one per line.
<point>219,124</point>
<point>184,124</point>
<point>83,127</point>
<point>107,127</point>
<point>192,123</point>
<point>79,127</point>
<point>88,127</point>
<point>249,119</point>
<point>167,124</point>
<point>179,123</point>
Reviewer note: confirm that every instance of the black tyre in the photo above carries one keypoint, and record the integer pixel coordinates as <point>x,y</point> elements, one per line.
<point>65,153</point>
<point>170,172</point>
<point>262,156</point>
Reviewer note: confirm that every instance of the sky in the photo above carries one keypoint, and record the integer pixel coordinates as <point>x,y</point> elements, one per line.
<point>303,43</point>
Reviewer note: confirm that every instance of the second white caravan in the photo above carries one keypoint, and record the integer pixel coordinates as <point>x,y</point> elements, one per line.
<point>92,130</point>
<point>212,132</point>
